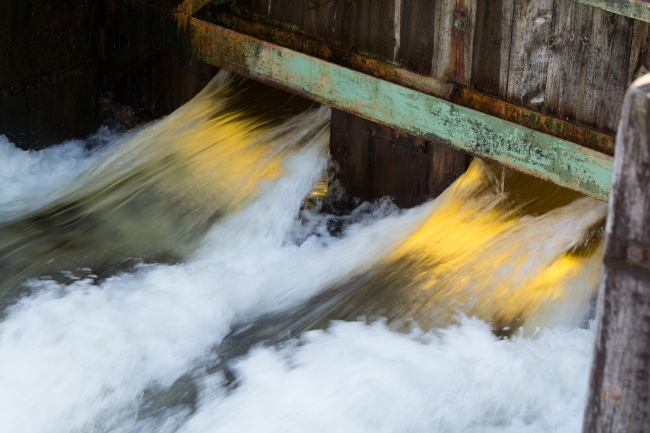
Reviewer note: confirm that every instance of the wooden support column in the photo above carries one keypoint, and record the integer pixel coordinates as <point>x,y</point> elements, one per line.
<point>619,393</point>
<point>453,32</point>
<point>376,161</point>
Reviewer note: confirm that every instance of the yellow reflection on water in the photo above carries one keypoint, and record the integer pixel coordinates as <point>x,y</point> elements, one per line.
<point>499,245</point>
<point>154,195</point>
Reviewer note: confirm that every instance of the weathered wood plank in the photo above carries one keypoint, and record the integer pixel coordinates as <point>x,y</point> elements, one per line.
<point>453,40</point>
<point>281,11</point>
<point>540,155</point>
<point>374,28</point>
<point>377,161</point>
<point>397,27</point>
<point>346,147</point>
<point>161,83</point>
<point>460,95</point>
<point>364,27</point>
<point>48,79</point>
<point>529,52</point>
<point>455,21</point>
<point>619,390</point>
<point>516,51</point>
<point>637,9</point>
<point>319,19</point>
<point>567,63</point>
<point>492,38</point>
<point>447,165</point>
<point>416,36</point>
<point>639,52</point>
<point>608,54</point>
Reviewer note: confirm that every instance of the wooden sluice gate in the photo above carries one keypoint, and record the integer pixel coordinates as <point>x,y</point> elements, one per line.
<point>444,97</point>
<point>417,87</point>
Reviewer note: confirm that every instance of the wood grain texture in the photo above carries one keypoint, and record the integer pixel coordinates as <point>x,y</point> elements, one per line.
<point>567,63</point>
<point>453,42</point>
<point>49,84</point>
<point>447,165</point>
<point>619,393</point>
<point>159,84</point>
<point>466,97</point>
<point>417,36</point>
<point>452,58</point>
<point>638,52</point>
<point>491,51</point>
<point>349,150</point>
<point>376,161</point>
<point>529,52</point>
<point>607,70</point>
<point>373,31</point>
<point>320,17</point>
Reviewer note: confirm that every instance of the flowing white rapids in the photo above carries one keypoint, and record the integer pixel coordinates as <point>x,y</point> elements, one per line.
<point>136,350</point>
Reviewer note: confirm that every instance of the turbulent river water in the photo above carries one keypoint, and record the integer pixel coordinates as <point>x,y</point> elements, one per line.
<point>205,273</point>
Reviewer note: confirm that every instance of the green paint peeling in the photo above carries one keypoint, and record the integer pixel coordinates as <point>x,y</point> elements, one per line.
<point>637,9</point>
<point>541,155</point>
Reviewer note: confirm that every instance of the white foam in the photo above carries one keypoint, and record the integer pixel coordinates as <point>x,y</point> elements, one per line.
<point>31,179</point>
<point>77,356</point>
<point>360,378</point>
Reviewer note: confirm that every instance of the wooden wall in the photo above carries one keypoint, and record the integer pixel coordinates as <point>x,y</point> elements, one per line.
<point>554,56</point>
<point>376,161</point>
<point>48,71</point>
<point>153,82</point>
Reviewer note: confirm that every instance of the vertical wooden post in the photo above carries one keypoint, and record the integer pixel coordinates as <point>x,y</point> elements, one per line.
<point>619,390</point>
<point>377,161</point>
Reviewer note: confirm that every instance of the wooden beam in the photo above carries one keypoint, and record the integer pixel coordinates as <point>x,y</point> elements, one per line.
<point>619,394</point>
<point>546,157</point>
<point>637,9</point>
<point>542,122</point>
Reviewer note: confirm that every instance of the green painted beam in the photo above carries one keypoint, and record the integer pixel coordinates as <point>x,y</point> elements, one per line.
<point>540,155</point>
<point>543,156</point>
<point>637,9</point>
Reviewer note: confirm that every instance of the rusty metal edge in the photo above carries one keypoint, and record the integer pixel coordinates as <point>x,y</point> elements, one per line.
<point>541,155</point>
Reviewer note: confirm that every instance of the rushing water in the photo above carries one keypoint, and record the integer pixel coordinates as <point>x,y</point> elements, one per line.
<point>196,276</point>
